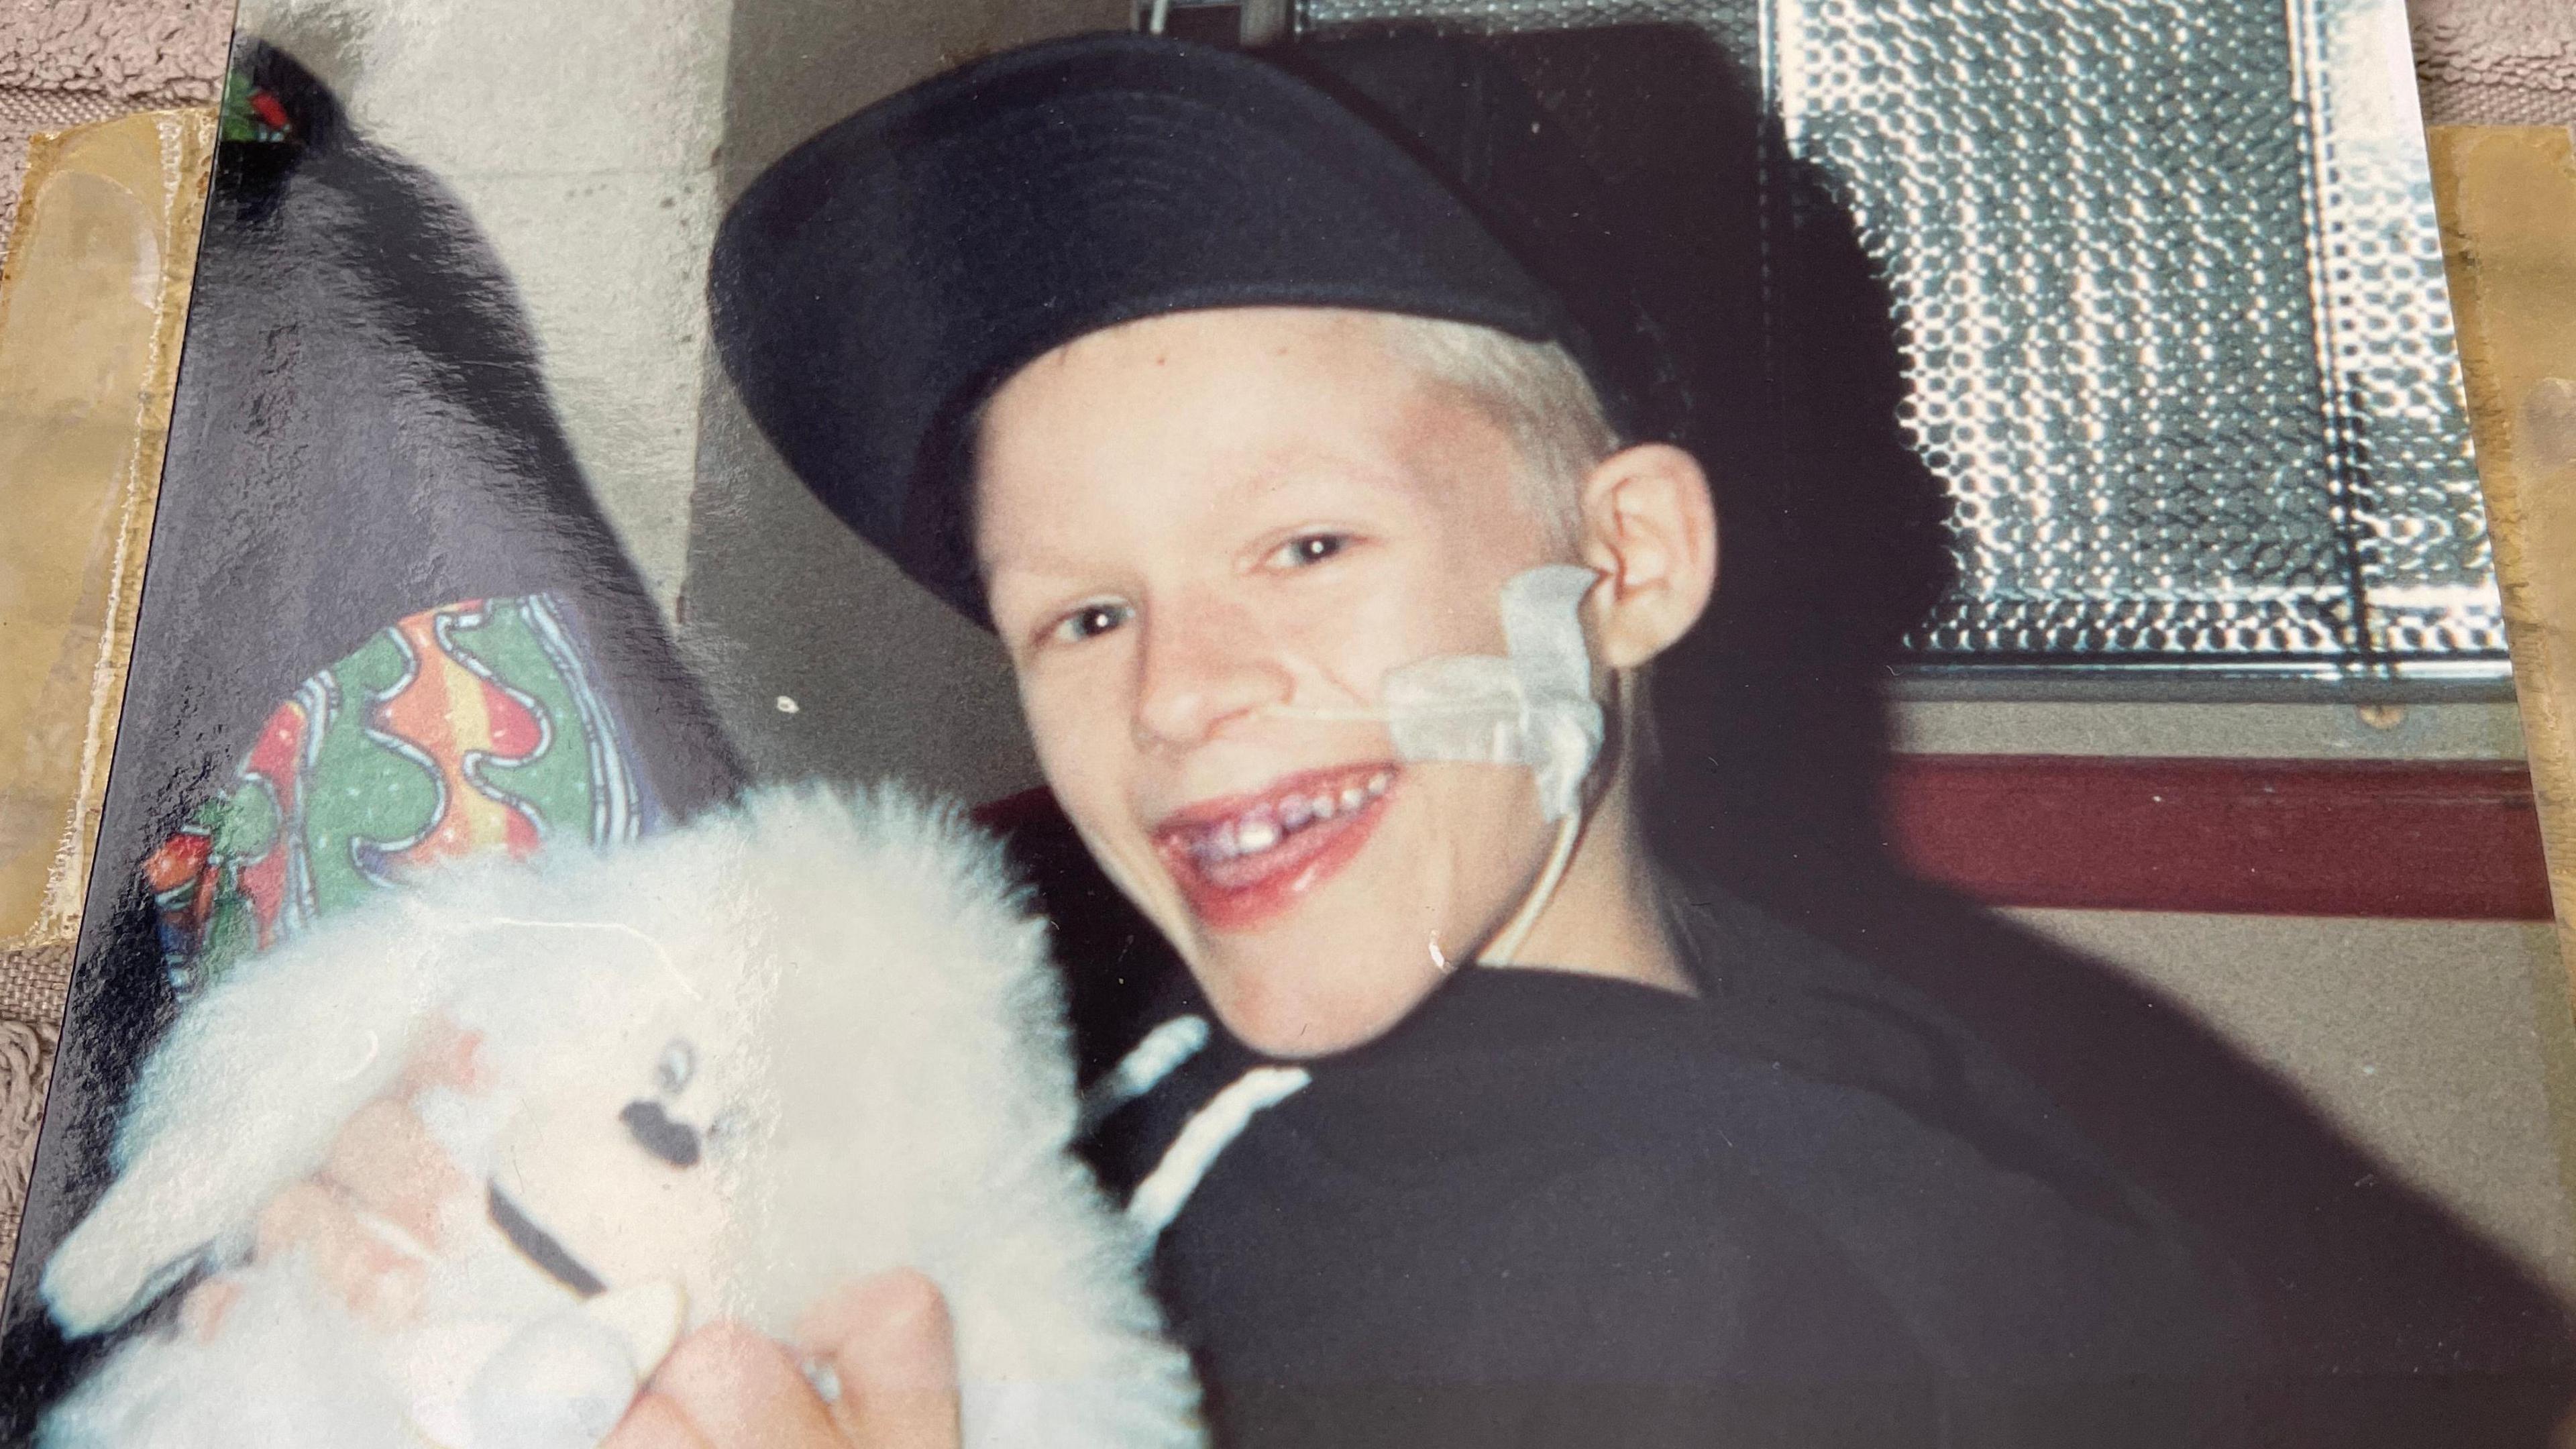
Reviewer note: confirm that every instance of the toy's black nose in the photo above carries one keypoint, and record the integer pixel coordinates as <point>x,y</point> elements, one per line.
<point>674,1142</point>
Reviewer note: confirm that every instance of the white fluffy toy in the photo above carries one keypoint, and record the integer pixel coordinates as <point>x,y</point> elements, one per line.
<point>722,1072</point>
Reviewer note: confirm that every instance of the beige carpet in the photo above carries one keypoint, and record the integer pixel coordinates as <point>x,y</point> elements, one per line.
<point>2496,62</point>
<point>66,62</point>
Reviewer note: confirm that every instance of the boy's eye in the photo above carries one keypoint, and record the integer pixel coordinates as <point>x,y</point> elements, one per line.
<point>1310,548</point>
<point>1089,621</point>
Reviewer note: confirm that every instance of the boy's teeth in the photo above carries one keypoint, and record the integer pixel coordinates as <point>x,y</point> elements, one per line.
<point>1253,834</point>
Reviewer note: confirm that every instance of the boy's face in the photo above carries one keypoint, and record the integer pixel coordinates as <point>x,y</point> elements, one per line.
<point>1196,526</point>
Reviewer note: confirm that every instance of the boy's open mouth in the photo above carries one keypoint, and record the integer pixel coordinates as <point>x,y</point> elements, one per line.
<point>1245,859</point>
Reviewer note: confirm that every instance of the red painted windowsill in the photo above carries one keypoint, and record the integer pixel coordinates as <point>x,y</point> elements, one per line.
<point>2457,840</point>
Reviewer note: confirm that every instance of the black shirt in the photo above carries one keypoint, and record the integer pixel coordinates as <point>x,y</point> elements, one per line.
<point>1804,1209</point>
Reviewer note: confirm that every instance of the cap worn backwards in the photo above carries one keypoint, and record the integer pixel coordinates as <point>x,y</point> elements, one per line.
<point>872,288</point>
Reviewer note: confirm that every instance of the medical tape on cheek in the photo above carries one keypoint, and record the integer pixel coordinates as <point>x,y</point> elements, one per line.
<point>1533,709</point>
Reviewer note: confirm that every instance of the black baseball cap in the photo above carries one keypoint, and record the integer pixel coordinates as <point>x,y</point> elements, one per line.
<point>870,290</point>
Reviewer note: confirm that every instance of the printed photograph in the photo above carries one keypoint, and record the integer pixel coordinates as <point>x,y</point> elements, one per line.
<point>1316,722</point>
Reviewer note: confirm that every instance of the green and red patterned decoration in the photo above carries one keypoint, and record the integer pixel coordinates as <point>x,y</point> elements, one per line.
<point>467,728</point>
<point>252,112</point>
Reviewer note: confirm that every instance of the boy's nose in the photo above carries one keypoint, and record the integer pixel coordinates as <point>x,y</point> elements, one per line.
<point>1204,665</point>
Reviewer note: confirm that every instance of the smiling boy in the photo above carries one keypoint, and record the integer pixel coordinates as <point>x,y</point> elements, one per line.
<point>1200,529</point>
<point>1227,412</point>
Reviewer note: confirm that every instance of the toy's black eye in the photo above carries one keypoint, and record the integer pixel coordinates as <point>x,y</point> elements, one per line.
<point>679,1062</point>
<point>674,1142</point>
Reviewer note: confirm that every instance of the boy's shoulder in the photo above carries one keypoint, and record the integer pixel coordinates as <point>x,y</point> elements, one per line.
<point>1811,1172</point>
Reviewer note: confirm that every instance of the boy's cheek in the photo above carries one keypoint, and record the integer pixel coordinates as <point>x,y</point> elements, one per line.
<point>1076,739</point>
<point>1444,615</point>
<point>1080,764</point>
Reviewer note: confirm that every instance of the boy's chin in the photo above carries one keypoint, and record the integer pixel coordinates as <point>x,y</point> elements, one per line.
<point>1290,1009</point>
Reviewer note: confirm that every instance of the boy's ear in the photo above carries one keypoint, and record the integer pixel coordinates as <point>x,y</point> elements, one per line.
<point>1650,530</point>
